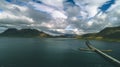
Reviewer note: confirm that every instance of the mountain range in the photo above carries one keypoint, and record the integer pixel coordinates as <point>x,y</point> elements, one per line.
<point>13,32</point>
<point>109,33</point>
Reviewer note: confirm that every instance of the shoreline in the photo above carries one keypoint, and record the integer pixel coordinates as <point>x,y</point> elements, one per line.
<point>109,40</point>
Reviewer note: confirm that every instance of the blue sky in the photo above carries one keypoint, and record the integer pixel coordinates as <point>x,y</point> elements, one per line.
<point>1,10</point>
<point>64,16</point>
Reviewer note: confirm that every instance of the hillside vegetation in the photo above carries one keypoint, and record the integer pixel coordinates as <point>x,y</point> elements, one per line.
<point>109,33</point>
<point>12,32</point>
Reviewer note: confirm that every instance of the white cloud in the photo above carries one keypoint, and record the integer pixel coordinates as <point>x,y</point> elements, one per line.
<point>59,15</point>
<point>52,11</point>
<point>56,3</point>
<point>10,16</point>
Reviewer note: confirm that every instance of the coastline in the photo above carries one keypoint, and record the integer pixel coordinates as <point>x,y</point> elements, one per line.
<point>102,39</point>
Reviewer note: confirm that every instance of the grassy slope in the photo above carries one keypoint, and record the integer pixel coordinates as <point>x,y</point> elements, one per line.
<point>107,34</point>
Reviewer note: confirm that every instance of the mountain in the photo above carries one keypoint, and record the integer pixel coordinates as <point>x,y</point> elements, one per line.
<point>109,33</point>
<point>24,33</point>
<point>13,32</point>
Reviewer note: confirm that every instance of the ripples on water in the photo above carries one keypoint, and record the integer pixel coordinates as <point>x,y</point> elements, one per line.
<point>53,52</point>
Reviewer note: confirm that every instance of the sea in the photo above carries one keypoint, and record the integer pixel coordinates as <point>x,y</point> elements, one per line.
<point>55,52</point>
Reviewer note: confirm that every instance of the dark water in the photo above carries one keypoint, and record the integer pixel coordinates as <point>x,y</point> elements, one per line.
<point>50,52</point>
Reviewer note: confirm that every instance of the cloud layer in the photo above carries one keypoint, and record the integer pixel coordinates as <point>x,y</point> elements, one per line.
<point>63,16</point>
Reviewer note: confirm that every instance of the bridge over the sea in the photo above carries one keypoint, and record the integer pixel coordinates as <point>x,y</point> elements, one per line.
<point>102,53</point>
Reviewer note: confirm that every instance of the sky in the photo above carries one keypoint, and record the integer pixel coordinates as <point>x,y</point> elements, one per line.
<point>60,16</point>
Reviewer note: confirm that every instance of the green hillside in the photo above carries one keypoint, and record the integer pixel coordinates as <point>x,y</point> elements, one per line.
<point>109,33</point>
<point>12,32</point>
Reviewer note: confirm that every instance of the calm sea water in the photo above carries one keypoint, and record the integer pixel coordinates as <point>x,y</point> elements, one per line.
<point>54,52</point>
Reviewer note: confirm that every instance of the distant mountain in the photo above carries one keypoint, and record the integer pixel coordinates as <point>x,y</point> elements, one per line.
<point>24,33</point>
<point>13,32</point>
<point>111,33</point>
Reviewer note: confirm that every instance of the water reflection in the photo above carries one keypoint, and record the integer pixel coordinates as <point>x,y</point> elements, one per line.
<point>50,52</point>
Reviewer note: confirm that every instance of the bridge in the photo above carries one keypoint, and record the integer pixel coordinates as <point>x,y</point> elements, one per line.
<point>102,53</point>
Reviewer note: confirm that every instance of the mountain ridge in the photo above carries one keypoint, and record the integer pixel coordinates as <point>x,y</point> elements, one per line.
<point>13,32</point>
